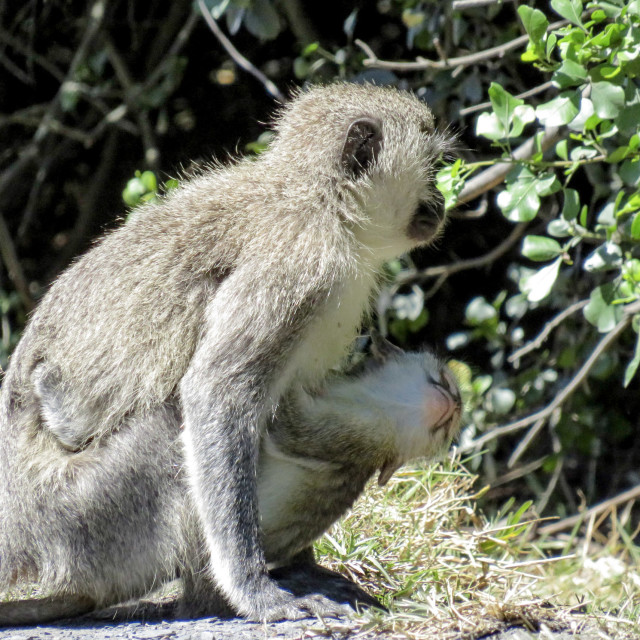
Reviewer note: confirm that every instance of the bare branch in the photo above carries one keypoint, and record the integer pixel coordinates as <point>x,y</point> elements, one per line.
<point>451,63</point>
<point>473,263</point>
<point>27,52</point>
<point>151,151</point>
<point>461,5</point>
<point>238,58</point>
<point>568,523</point>
<point>548,328</point>
<point>298,21</point>
<point>569,389</point>
<point>521,96</point>
<point>179,42</point>
<point>13,266</point>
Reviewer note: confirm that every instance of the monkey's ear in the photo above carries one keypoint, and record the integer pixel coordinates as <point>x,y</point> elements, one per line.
<point>361,146</point>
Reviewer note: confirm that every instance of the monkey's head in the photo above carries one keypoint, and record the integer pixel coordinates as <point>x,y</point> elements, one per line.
<point>423,396</point>
<point>378,150</point>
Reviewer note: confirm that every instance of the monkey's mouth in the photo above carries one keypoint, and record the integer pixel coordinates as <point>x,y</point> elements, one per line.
<point>427,220</point>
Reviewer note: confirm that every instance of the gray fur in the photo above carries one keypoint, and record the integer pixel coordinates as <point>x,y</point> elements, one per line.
<point>133,410</point>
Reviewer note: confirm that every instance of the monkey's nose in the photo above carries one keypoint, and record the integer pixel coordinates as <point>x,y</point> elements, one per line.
<point>443,405</point>
<point>427,219</point>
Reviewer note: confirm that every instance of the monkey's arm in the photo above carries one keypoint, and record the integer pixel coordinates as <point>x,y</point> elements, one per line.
<point>227,393</point>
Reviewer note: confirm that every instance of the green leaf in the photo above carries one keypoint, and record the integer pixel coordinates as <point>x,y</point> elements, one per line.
<point>501,401</point>
<point>607,98</point>
<point>262,20</point>
<point>569,74</point>
<point>479,311</point>
<point>632,367</point>
<point>559,228</point>
<point>450,181</point>
<point>571,206</point>
<point>569,9</point>
<point>489,126</point>
<point>522,115</point>
<point>539,284</point>
<point>310,48</point>
<point>599,312</point>
<point>635,227</point>
<point>559,111</point>
<point>630,172</point>
<point>504,107</point>
<point>606,257</point>
<point>520,201</point>
<point>133,192</point>
<point>540,248</point>
<point>148,179</point>
<point>534,22</point>
<point>547,183</point>
<point>562,150</point>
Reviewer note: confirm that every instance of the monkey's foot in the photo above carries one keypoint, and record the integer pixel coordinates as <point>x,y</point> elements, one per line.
<point>39,610</point>
<point>305,580</point>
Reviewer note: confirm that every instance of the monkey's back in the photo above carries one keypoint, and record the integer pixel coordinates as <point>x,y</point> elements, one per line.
<point>119,327</point>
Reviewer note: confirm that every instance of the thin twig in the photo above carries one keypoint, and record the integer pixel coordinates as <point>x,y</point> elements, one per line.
<point>536,343</point>
<point>30,54</point>
<point>461,5</point>
<point>178,43</point>
<point>151,151</point>
<point>96,14</point>
<point>568,390</point>
<point>525,442</point>
<point>238,58</point>
<point>463,265</point>
<point>13,266</point>
<point>451,63</point>
<point>521,96</point>
<point>568,523</point>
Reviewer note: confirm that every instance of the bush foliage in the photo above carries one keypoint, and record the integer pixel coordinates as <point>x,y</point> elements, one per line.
<point>536,283</point>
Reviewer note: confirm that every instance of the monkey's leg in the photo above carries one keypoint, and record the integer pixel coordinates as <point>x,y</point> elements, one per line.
<point>102,523</point>
<point>200,596</point>
<point>305,577</point>
<point>37,611</point>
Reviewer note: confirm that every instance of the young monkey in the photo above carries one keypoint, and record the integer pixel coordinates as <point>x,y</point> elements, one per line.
<point>135,408</point>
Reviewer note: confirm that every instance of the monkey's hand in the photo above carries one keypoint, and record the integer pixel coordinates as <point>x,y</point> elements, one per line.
<point>299,596</point>
<point>306,579</point>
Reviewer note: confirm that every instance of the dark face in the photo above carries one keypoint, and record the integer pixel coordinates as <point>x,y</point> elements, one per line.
<point>427,219</point>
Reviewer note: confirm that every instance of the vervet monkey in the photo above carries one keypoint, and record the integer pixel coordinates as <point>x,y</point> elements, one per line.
<point>317,453</point>
<point>195,319</point>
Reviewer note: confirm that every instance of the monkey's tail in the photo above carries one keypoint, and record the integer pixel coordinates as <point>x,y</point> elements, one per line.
<point>37,611</point>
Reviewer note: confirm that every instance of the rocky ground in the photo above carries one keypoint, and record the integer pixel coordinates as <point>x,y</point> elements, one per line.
<point>237,629</point>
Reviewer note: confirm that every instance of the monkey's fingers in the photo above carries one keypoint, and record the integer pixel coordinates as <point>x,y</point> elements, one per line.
<point>307,580</point>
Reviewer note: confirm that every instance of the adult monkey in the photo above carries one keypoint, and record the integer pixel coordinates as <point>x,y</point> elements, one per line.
<point>204,310</point>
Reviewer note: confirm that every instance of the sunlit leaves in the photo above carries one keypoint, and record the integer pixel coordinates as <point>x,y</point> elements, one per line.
<point>509,117</point>
<point>561,110</point>
<point>540,248</point>
<point>570,10</point>
<point>600,311</point>
<point>538,285</point>
<point>607,98</point>
<point>521,199</point>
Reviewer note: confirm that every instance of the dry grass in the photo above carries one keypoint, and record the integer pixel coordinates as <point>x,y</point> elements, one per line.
<point>446,571</point>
